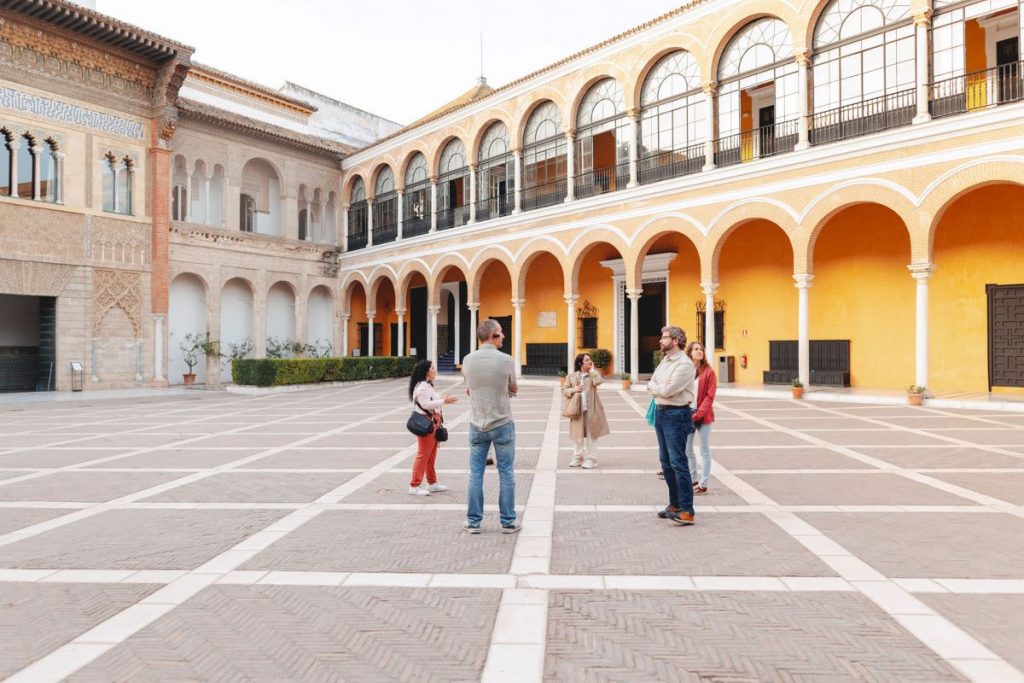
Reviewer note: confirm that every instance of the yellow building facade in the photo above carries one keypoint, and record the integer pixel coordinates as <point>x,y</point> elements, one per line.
<point>824,190</point>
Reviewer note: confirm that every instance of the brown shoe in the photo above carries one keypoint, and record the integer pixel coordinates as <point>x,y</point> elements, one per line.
<point>700,490</point>
<point>670,510</point>
<point>682,518</point>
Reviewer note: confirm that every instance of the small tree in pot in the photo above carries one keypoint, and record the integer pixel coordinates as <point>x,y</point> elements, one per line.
<point>798,388</point>
<point>192,346</point>
<point>915,394</point>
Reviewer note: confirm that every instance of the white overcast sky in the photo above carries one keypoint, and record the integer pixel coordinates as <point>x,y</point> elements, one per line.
<point>399,59</point>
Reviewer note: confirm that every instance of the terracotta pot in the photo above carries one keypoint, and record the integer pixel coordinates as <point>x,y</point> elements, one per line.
<point>798,392</point>
<point>190,379</point>
<point>915,399</point>
<point>626,384</point>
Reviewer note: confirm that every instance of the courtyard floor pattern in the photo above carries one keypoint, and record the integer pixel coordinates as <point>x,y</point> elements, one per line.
<point>213,536</point>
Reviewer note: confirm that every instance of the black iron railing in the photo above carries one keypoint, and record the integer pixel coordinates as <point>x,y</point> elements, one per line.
<point>863,118</point>
<point>978,90</point>
<point>601,180</point>
<point>356,240</point>
<point>766,141</point>
<point>382,234</point>
<point>416,212</point>
<point>452,217</point>
<point>495,207</point>
<point>544,194</point>
<point>672,163</point>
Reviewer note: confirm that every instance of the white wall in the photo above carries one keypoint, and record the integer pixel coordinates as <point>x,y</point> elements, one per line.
<point>186,314</point>
<point>19,320</point>
<point>281,312</point>
<point>235,319</point>
<point>320,319</point>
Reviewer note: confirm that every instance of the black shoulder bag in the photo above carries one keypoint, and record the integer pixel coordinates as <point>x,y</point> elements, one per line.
<point>420,424</point>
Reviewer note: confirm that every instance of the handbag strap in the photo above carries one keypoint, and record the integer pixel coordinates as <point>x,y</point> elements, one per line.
<point>426,412</point>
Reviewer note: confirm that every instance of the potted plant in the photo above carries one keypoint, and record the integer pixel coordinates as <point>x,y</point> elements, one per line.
<point>627,381</point>
<point>915,394</point>
<point>656,356</point>
<point>602,358</point>
<point>191,348</point>
<point>798,388</point>
<point>561,378</point>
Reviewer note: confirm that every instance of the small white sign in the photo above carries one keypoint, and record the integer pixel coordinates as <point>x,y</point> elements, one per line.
<point>547,319</point>
<point>76,366</point>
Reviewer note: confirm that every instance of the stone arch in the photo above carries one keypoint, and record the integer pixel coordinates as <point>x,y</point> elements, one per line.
<point>584,83</point>
<point>405,275</point>
<point>350,179</point>
<point>437,273</point>
<point>655,229</point>
<point>376,279</point>
<point>653,54</point>
<point>371,187</point>
<point>237,316</point>
<point>540,96</point>
<point>949,187</point>
<point>474,153</point>
<point>352,279</point>
<point>733,21</point>
<point>483,259</point>
<point>826,205</point>
<point>188,313</point>
<point>727,221</point>
<point>434,159</point>
<point>417,148</point>
<point>587,239</point>
<point>320,316</point>
<point>527,254</point>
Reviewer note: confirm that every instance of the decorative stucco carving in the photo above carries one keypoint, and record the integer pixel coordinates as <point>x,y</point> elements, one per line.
<point>117,289</point>
<point>33,278</point>
<point>114,241</point>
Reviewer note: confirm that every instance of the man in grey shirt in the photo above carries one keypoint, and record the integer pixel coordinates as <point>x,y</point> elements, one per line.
<point>491,381</point>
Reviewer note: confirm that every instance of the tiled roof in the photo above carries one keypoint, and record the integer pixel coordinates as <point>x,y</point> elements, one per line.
<point>201,70</point>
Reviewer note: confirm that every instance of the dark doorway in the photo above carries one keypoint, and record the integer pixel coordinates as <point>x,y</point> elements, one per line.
<point>28,330</point>
<point>766,126</point>
<point>364,339</point>
<point>1007,58</point>
<point>395,351</point>
<point>1005,335</point>
<point>418,322</point>
<point>652,319</point>
<point>506,326</point>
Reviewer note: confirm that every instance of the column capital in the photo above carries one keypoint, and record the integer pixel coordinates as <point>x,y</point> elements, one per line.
<point>371,314</point>
<point>923,18</point>
<point>921,271</point>
<point>472,166</point>
<point>802,57</point>
<point>400,190</point>
<point>433,180</point>
<point>571,299</point>
<point>345,317</point>
<point>803,280</point>
<point>434,310</point>
<point>518,303</point>
<point>570,134</point>
<point>633,113</point>
<point>709,88</point>
<point>399,311</point>
<point>58,154</point>
<point>518,150</point>
<point>634,294</point>
<point>473,306</point>
<point>709,288</point>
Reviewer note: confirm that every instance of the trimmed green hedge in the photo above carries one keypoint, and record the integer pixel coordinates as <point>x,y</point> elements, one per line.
<point>269,372</point>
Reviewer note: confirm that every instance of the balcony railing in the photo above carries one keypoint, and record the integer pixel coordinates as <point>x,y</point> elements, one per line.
<point>544,194</point>
<point>766,141</point>
<point>864,118</point>
<point>382,234</point>
<point>672,163</point>
<point>415,225</point>
<point>495,207</point>
<point>978,90</point>
<point>356,240</point>
<point>453,217</point>
<point>601,180</point>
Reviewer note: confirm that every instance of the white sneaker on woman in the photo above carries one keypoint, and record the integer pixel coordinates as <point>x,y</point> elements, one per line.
<point>576,461</point>
<point>589,464</point>
<point>417,491</point>
<point>436,487</point>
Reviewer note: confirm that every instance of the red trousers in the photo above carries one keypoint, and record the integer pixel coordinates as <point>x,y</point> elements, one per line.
<point>426,454</point>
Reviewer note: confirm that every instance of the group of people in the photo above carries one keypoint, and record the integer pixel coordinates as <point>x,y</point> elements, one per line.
<point>683,394</point>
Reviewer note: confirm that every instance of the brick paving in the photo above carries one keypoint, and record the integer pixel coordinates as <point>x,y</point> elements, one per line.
<point>271,538</point>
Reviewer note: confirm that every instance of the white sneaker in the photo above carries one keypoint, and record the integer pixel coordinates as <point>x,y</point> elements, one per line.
<point>576,462</point>
<point>436,487</point>
<point>589,464</point>
<point>417,491</point>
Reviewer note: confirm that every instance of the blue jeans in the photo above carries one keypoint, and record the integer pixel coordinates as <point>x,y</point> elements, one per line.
<point>705,454</point>
<point>673,426</point>
<point>504,440</point>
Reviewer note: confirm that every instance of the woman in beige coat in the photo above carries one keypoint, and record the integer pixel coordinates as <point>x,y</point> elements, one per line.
<point>590,424</point>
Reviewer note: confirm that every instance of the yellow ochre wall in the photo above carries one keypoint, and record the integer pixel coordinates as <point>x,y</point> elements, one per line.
<point>683,281</point>
<point>979,241</point>
<point>863,292</point>
<point>755,275</point>
<point>357,309</point>
<point>544,292</point>
<point>595,286</point>
<point>495,293</point>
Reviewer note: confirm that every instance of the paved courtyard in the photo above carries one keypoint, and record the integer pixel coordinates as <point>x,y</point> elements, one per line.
<point>214,536</point>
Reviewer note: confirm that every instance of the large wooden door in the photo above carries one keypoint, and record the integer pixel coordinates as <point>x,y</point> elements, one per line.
<point>1005,335</point>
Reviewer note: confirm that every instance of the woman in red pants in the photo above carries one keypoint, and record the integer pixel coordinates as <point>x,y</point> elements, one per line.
<point>427,401</point>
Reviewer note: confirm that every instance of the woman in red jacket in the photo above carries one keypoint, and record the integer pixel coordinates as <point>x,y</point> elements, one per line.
<point>703,416</point>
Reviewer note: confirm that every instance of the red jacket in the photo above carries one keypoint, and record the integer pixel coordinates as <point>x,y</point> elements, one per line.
<point>707,384</point>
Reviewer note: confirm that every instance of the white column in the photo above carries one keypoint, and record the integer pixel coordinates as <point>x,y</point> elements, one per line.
<point>187,208</point>
<point>433,204</point>
<point>34,150</point>
<point>206,203</point>
<point>922,23</point>
<point>400,312</point>
<point>803,137</point>
<point>634,147</point>
<point>224,202</point>
<point>570,318</point>
<point>13,147</point>
<point>570,167</point>
<point>369,335</point>
<point>803,285</point>
<point>369,222</point>
<point>709,319</point>
<point>634,333</point>
<point>709,124</point>
<point>518,155</point>
<point>401,211</point>
<point>458,327</point>
<point>517,335</point>
<point>472,193</point>
<point>921,272</point>
<point>473,308</point>
<point>344,228</point>
<point>158,349</point>
<point>344,335</point>
<point>58,192</point>
<point>432,334</point>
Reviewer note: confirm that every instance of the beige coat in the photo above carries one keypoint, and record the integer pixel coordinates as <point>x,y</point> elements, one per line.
<point>597,423</point>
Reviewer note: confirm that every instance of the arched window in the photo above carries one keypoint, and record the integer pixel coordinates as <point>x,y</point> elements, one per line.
<point>976,56</point>
<point>544,158</point>
<point>357,217</point>
<point>758,94</point>
<point>416,200</point>
<point>495,175</point>
<point>303,224</point>
<point>246,213</point>
<point>49,172</point>
<point>179,200</point>
<point>453,186</point>
<point>6,146</point>
<point>385,208</point>
<point>864,74</point>
<point>118,182</point>
<point>602,140</point>
<point>672,119</point>
<point>26,167</point>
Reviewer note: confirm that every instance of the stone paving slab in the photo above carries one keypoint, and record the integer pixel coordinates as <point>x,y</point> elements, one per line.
<point>38,618</point>
<point>592,487</point>
<point>430,541</point>
<point>996,620</point>
<point>274,633</point>
<point>763,437</point>
<point>876,488</point>
<point>942,456</point>
<point>83,486</point>
<point>187,458</point>
<point>617,458</point>
<point>333,458</point>
<point>877,437</point>
<point>12,519</point>
<point>783,458</point>
<point>929,544</point>
<point>928,422</point>
<point>134,440</point>
<point>138,539</point>
<point>1008,486</point>
<point>709,636</point>
<point>720,544</point>
<point>56,457</point>
<point>242,440</point>
<point>255,487</point>
<point>456,456</point>
<point>393,487</point>
<point>989,435</point>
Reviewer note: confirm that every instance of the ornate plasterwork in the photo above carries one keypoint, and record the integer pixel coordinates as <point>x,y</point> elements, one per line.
<point>117,289</point>
<point>113,241</point>
<point>33,278</point>
<point>66,112</point>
